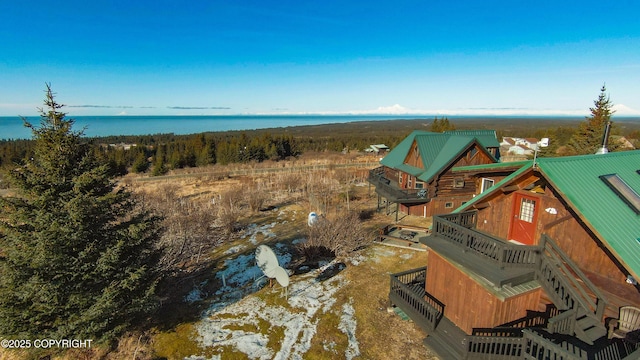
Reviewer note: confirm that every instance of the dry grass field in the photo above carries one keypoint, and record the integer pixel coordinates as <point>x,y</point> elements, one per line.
<point>333,308</point>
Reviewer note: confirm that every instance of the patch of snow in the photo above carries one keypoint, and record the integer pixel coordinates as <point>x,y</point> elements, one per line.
<point>253,230</point>
<point>381,251</point>
<point>329,346</point>
<point>357,260</point>
<point>406,256</point>
<point>193,296</point>
<point>299,241</point>
<point>196,294</point>
<point>242,270</point>
<point>348,326</point>
<point>235,249</point>
<point>308,299</point>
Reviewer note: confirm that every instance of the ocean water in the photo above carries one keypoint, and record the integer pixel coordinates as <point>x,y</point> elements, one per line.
<point>95,126</point>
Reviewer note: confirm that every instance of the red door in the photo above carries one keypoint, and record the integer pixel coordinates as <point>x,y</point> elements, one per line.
<point>523,223</point>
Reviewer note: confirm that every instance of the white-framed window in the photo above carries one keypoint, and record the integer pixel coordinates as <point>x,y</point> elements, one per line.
<point>448,205</point>
<point>527,210</point>
<point>399,178</point>
<point>409,184</point>
<point>458,183</point>
<point>419,184</point>
<point>486,184</point>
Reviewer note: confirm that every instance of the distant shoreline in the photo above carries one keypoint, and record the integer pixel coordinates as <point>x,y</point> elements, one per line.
<point>145,125</point>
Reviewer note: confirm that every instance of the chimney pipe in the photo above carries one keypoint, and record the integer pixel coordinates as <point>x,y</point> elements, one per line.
<point>605,140</point>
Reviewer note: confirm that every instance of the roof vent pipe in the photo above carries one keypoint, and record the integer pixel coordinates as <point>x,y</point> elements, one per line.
<point>605,140</point>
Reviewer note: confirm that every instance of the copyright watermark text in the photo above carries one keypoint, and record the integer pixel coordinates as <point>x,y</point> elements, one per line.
<point>45,343</point>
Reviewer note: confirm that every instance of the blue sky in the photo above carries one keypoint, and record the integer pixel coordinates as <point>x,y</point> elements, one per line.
<point>291,57</point>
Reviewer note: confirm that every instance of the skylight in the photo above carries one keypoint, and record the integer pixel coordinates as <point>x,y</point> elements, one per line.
<point>623,190</point>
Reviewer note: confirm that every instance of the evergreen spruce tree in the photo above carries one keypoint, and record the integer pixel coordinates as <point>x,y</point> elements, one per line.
<point>588,138</point>
<point>441,125</point>
<point>77,256</point>
<point>159,167</point>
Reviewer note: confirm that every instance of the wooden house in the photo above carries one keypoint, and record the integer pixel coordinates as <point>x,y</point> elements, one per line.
<point>536,266</point>
<point>434,173</point>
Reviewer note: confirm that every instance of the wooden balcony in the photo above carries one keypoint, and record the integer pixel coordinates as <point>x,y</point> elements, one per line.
<point>571,328</point>
<point>390,190</point>
<point>526,338</point>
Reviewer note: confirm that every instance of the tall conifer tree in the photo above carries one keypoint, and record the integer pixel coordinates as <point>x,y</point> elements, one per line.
<point>77,254</point>
<point>588,138</point>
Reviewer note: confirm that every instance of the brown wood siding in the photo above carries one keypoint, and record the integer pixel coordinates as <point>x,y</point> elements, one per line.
<point>414,158</point>
<point>458,291</point>
<point>574,239</point>
<point>563,228</point>
<point>495,219</point>
<point>439,204</point>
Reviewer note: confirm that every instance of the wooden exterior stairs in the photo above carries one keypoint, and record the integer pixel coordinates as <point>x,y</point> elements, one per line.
<point>581,304</point>
<point>571,328</point>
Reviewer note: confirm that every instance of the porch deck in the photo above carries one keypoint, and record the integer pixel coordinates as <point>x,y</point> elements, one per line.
<point>526,338</point>
<point>473,264</point>
<point>391,190</point>
<point>572,327</point>
<point>404,236</point>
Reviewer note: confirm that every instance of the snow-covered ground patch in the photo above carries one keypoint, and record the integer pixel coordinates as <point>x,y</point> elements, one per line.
<point>253,230</point>
<point>247,324</point>
<point>357,259</point>
<point>348,326</point>
<point>406,256</point>
<point>382,251</point>
<point>235,249</point>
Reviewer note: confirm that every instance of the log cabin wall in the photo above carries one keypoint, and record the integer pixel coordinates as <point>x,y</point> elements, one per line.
<point>575,240</point>
<point>563,228</point>
<point>446,204</point>
<point>495,219</point>
<point>414,158</point>
<point>469,304</point>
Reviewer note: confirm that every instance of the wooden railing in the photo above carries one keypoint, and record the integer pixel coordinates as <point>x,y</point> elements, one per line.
<point>572,292</point>
<point>558,272</point>
<point>563,323</point>
<point>396,194</point>
<point>538,347</point>
<point>505,344</point>
<point>502,253</point>
<point>405,292</point>
<point>467,219</point>
<point>512,341</point>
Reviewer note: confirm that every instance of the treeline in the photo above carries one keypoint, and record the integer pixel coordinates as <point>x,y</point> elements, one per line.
<point>160,153</point>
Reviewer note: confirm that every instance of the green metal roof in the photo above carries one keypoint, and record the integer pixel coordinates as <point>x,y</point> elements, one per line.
<point>397,155</point>
<point>437,150</point>
<point>577,178</point>
<point>492,166</point>
<point>486,138</point>
<point>443,154</point>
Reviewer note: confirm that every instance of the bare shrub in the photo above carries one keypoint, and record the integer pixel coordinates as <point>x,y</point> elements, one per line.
<point>255,195</point>
<point>321,188</point>
<point>291,182</point>
<point>338,237</point>
<point>188,226</point>
<point>229,209</point>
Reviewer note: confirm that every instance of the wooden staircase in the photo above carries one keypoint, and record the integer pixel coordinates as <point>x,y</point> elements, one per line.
<point>580,303</point>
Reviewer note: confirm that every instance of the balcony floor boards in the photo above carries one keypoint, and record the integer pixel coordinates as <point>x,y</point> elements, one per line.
<point>474,264</point>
